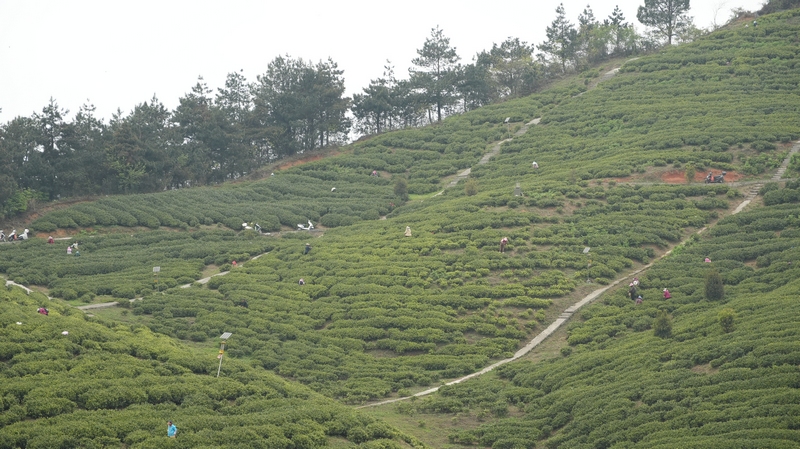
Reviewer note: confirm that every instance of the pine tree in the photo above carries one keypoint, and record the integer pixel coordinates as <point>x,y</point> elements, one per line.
<point>668,17</point>
<point>715,290</point>
<point>662,326</point>
<point>436,71</point>
<point>561,39</point>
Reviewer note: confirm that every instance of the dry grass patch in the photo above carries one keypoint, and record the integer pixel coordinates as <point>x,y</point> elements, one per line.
<point>704,369</point>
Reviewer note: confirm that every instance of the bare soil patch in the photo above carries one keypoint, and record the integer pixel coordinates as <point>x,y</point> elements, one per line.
<point>679,176</point>
<point>301,161</point>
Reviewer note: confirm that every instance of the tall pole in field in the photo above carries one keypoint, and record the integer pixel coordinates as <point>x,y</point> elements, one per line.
<point>224,338</point>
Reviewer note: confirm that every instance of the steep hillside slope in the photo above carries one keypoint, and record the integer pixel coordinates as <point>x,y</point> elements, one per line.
<point>726,375</point>
<point>382,314</point>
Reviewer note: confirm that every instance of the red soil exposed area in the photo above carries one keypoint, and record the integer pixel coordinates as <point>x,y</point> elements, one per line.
<point>679,176</point>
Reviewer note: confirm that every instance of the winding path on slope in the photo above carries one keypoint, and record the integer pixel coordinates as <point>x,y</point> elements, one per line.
<point>495,149</point>
<point>103,305</point>
<point>492,153</point>
<point>569,311</point>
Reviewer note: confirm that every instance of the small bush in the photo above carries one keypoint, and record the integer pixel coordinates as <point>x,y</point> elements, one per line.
<point>662,326</point>
<point>726,318</point>
<point>690,172</point>
<point>43,226</point>
<point>768,187</point>
<point>401,188</point>
<point>471,187</point>
<point>715,290</point>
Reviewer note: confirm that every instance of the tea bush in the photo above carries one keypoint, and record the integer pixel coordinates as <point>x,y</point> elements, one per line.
<point>123,383</point>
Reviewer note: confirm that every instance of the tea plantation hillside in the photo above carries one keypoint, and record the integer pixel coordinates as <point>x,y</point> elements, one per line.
<point>724,102</point>
<point>382,314</point>
<point>121,265</point>
<point>69,381</point>
<point>685,372</point>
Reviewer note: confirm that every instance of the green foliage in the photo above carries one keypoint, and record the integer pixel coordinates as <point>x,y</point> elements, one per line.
<point>769,187</point>
<point>382,314</point>
<point>401,188</point>
<point>121,265</point>
<point>714,288</point>
<point>668,17</point>
<point>471,187</point>
<point>104,384</point>
<point>620,384</point>
<point>19,201</point>
<point>726,318</point>
<point>690,172</point>
<point>284,200</point>
<point>662,325</point>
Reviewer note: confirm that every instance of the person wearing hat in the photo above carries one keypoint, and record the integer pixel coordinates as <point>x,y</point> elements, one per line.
<point>171,429</point>
<point>666,294</point>
<point>632,291</point>
<point>308,248</point>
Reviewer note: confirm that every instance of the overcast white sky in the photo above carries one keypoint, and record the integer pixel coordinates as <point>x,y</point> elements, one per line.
<point>117,54</point>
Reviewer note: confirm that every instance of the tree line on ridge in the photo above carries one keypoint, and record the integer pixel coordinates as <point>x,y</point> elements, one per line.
<point>294,107</point>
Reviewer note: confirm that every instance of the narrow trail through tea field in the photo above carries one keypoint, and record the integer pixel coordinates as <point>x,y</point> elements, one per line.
<point>486,157</point>
<point>103,305</point>
<point>495,149</point>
